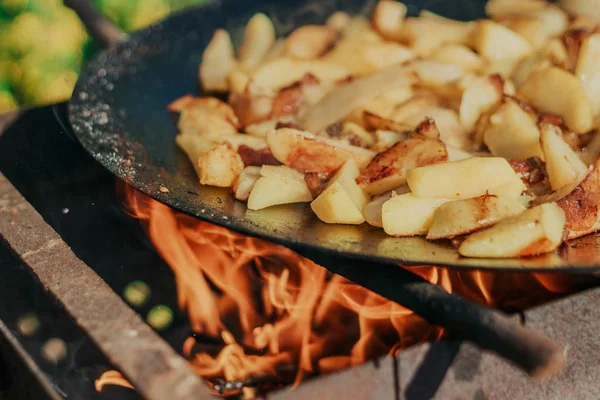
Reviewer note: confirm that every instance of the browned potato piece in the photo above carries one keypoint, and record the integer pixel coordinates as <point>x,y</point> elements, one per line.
<point>536,231</point>
<point>466,216</point>
<point>498,43</point>
<point>480,96</point>
<point>588,69</point>
<point>217,164</point>
<point>388,18</point>
<point>466,179</point>
<point>559,92</point>
<point>388,169</point>
<point>513,133</point>
<point>218,61</point>
<point>310,41</point>
<point>259,37</point>
<point>278,185</point>
<point>580,201</point>
<point>245,183</point>
<point>562,163</point>
<point>375,122</point>
<point>306,152</point>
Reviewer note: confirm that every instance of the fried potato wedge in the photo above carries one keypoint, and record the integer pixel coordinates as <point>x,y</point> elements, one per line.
<point>373,210</point>
<point>479,97</point>
<point>245,183</point>
<point>259,37</point>
<point>343,201</point>
<point>218,61</point>
<point>388,18</point>
<point>310,41</point>
<point>217,164</point>
<point>204,122</point>
<point>536,231</point>
<point>553,90</point>
<point>466,179</point>
<point>513,133</point>
<point>306,152</point>
<point>563,165</point>
<point>581,203</point>
<point>540,26</point>
<point>388,169</point>
<point>466,216</point>
<point>451,131</point>
<point>588,69</point>
<point>375,122</point>
<point>409,215</point>
<point>495,42</point>
<point>278,185</point>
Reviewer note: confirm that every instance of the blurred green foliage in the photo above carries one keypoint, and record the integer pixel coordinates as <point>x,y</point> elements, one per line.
<point>43,45</point>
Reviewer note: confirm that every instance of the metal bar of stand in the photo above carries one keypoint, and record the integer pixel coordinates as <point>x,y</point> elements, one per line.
<point>150,364</point>
<point>491,330</point>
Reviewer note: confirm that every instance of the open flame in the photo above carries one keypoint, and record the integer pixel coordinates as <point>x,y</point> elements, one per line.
<point>279,318</point>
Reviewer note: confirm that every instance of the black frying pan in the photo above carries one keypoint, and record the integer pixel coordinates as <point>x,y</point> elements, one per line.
<point>118,112</point>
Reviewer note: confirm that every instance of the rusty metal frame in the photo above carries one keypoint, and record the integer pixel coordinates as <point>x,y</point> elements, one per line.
<point>150,364</point>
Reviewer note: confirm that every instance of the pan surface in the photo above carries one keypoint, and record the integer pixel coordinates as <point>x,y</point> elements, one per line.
<point>118,112</point>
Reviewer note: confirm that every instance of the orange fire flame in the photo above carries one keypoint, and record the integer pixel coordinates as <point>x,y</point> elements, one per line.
<point>279,315</point>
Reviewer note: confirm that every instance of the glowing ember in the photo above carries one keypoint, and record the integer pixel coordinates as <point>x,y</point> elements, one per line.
<point>280,318</point>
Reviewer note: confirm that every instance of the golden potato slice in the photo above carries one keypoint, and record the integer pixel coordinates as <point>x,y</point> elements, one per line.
<point>388,18</point>
<point>409,215</point>
<point>459,55</point>
<point>388,169</point>
<point>513,133</point>
<point>310,41</point>
<point>217,164</point>
<point>278,185</point>
<point>386,54</point>
<point>373,210</point>
<point>563,165</point>
<point>498,43</point>
<point>536,231</point>
<point>465,179</point>
<point>466,216</point>
<point>480,96</point>
<point>456,154</point>
<point>588,69</point>
<point>218,61</point>
<point>306,152</point>
<point>417,105</point>
<point>343,201</point>
<point>581,203</point>
<point>204,122</point>
<point>559,92</point>
<point>259,37</point>
<point>245,183</point>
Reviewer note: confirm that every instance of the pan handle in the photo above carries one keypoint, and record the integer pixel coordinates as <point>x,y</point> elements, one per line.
<point>98,26</point>
<point>534,352</point>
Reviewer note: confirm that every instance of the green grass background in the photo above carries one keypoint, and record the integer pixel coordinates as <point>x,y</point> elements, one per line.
<point>43,45</point>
